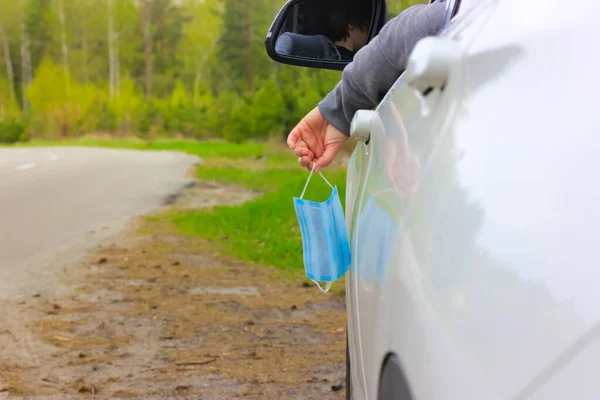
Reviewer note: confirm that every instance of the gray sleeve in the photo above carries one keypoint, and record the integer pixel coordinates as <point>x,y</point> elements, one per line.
<point>376,67</point>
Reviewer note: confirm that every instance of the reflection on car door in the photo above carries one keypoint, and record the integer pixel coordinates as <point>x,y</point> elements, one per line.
<point>404,133</point>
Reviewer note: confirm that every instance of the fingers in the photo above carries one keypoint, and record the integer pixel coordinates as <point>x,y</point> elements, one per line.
<point>306,163</point>
<point>305,156</point>
<point>307,138</point>
<point>312,131</point>
<point>303,135</point>
<point>314,143</point>
<point>303,151</point>
<point>327,158</point>
<point>294,136</point>
<point>334,141</point>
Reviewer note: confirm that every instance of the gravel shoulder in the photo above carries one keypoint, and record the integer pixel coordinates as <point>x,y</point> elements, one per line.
<point>149,314</point>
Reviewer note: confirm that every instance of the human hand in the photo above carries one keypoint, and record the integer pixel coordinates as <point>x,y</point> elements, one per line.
<point>402,164</point>
<point>320,142</point>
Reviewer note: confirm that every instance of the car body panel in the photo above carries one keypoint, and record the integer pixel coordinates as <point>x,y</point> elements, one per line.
<point>357,167</point>
<point>578,379</point>
<point>473,226</point>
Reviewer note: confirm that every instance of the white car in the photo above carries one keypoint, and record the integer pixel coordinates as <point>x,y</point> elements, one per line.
<point>473,207</point>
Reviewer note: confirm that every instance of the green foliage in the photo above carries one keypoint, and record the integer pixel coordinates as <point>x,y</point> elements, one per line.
<point>240,122</point>
<point>302,89</point>
<point>12,131</point>
<point>107,120</point>
<point>264,230</point>
<point>395,7</point>
<point>60,104</point>
<point>179,97</point>
<point>199,41</point>
<point>126,106</point>
<point>203,149</point>
<point>218,114</point>
<point>241,48</point>
<point>9,109</point>
<point>41,26</point>
<point>211,77</point>
<point>145,122</point>
<point>179,115</point>
<point>167,30</point>
<point>268,109</point>
<point>257,115</point>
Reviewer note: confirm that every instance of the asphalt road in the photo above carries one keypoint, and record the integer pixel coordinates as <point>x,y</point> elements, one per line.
<point>56,200</point>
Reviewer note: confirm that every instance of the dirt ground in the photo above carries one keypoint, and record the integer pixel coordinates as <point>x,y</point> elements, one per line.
<point>160,316</point>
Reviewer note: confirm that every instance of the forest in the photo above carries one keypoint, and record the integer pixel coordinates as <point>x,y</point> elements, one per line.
<point>151,68</point>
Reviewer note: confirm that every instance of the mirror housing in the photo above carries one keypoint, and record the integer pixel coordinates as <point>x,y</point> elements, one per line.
<point>290,42</point>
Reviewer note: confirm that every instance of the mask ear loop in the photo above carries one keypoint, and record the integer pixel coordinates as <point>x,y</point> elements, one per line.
<point>310,176</point>
<point>327,286</point>
<point>308,180</point>
<point>326,181</point>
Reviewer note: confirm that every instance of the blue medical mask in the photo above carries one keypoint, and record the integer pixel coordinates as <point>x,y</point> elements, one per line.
<point>377,236</point>
<point>324,237</point>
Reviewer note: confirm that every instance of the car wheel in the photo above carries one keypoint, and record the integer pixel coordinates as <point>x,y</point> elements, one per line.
<point>348,375</point>
<point>392,383</point>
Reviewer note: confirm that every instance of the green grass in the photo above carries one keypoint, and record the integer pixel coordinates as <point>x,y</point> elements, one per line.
<point>264,230</point>
<point>199,148</point>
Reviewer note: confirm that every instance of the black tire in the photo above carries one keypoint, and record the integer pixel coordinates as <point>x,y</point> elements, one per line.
<point>392,382</point>
<point>348,375</point>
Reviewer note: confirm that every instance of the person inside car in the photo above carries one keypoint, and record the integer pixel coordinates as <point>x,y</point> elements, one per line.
<point>333,30</point>
<point>320,135</point>
<point>347,25</point>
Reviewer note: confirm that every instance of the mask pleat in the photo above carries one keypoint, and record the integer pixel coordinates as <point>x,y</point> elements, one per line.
<point>324,238</point>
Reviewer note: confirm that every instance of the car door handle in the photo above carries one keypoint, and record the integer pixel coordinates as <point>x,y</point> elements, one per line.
<point>360,128</point>
<point>430,62</point>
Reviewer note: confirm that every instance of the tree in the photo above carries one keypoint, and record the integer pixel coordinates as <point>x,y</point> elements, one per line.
<point>146,21</point>
<point>111,52</point>
<point>241,45</point>
<point>54,109</point>
<point>84,41</point>
<point>200,35</point>
<point>207,56</point>
<point>40,22</point>
<point>26,69</point>
<point>63,41</point>
<point>8,61</point>
<point>168,21</point>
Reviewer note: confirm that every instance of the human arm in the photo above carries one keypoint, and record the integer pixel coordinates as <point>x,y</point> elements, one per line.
<point>376,67</point>
<point>365,81</point>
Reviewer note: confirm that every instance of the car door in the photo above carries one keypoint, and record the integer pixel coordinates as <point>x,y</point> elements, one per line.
<point>489,290</point>
<point>403,136</point>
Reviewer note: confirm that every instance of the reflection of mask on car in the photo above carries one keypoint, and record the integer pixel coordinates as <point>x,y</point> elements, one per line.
<point>374,241</point>
<point>310,46</point>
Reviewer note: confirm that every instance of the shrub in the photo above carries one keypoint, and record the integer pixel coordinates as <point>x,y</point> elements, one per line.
<point>268,109</point>
<point>107,121</point>
<point>58,103</point>
<point>127,105</point>
<point>12,132</point>
<point>241,122</point>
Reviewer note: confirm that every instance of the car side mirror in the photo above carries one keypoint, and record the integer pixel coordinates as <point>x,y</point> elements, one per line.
<point>324,33</point>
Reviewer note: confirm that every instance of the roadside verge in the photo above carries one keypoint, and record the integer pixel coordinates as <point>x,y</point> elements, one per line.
<point>181,305</point>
